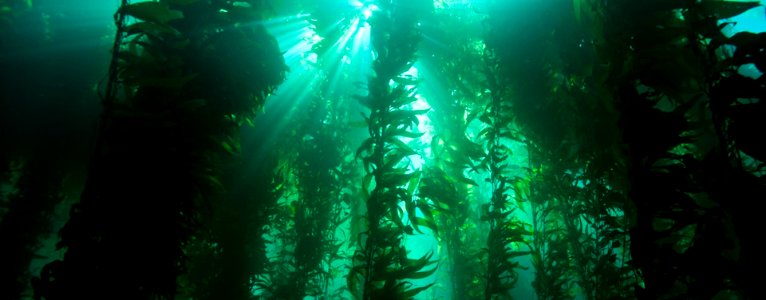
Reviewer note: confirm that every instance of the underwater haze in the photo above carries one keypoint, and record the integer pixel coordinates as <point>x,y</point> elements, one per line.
<point>381,149</point>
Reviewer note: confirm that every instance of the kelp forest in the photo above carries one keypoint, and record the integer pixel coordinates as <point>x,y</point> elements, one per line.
<point>382,149</point>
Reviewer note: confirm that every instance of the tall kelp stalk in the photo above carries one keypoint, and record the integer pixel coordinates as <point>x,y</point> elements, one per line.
<point>549,248</point>
<point>239,231</point>
<point>336,133</point>
<point>518,35</point>
<point>306,255</point>
<point>737,108</point>
<point>326,169</point>
<point>333,138</point>
<point>687,119</point>
<point>572,186</point>
<point>306,238</point>
<point>588,178</point>
<point>186,75</point>
<point>456,158</point>
<point>225,259</point>
<point>507,233</point>
<point>381,267</point>
<point>513,85</point>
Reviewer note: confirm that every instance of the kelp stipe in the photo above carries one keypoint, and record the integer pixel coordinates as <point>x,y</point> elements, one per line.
<point>224,257</point>
<point>381,267</point>
<point>448,177</point>
<point>171,113</point>
<point>582,149</point>
<point>507,233</point>
<point>568,128</point>
<point>688,183</point>
<point>308,217</point>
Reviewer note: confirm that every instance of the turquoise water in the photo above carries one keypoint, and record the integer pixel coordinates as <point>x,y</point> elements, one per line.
<point>178,197</point>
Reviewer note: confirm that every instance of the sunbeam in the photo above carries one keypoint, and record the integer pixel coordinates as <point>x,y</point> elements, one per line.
<point>297,36</point>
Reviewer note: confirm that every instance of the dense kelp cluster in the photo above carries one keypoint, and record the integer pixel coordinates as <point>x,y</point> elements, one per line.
<point>572,141</point>
<point>687,168</point>
<point>561,149</point>
<point>171,105</point>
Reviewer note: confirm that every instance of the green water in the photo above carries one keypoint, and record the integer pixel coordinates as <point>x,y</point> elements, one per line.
<point>381,149</point>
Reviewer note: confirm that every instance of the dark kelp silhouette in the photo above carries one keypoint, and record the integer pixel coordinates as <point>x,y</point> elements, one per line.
<point>680,98</point>
<point>183,79</point>
<point>601,149</point>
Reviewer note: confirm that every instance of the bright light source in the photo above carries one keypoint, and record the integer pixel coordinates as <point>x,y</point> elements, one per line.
<point>356,3</point>
<point>368,10</point>
<point>312,58</point>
